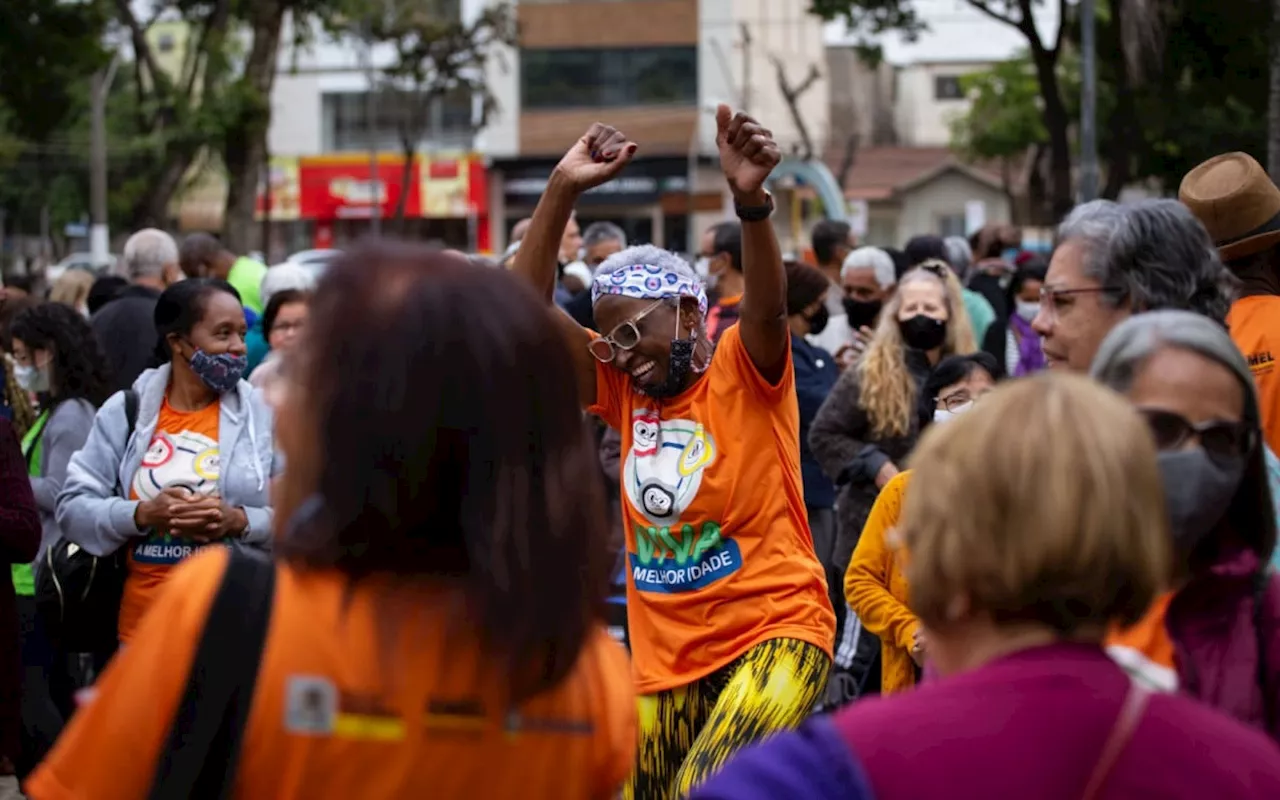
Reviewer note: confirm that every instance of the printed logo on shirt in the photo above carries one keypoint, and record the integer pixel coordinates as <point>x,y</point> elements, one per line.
<point>314,706</point>
<point>188,459</point>
<point>310,706</point>
<point>1261,361</point>
<point>661,476</point>
<point>163,549</point>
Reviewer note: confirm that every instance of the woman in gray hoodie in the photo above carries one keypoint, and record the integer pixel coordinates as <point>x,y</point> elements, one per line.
<point>56,358</point>
<point>195,469</point>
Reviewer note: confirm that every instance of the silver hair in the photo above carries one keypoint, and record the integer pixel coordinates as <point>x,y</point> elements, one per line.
<point>598,232</point>
<point>959,255</point>
<point>147,253</point>
<point>1133,342</point>
<point>1154,254</point>
<point>872,258</point>
<point>285,276</point>
<point>648,254</point>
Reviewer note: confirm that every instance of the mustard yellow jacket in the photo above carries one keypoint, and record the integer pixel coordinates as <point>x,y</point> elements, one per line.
<point>876,589</point>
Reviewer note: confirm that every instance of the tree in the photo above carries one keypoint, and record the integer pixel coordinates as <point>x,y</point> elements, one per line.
<point>437,55</point>
<point>791,96</point>
<point>1004,124</point>
<point>178,114</point>
<point>1165,102</point>
<point>48,49</point>
<point>246,105</point>
<point>877,16</point>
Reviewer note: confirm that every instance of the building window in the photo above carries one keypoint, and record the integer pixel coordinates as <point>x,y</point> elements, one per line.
<point>951,225</point>
<point>347,122</point>
<point>947,87</point>
<point>166,43</point>
<point>640,76</point>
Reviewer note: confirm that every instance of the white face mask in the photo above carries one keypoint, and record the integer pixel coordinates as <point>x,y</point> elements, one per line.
<point>31,378</point>
<point>1027,309</point>
<point>703,267</point>
<point>946,415</point>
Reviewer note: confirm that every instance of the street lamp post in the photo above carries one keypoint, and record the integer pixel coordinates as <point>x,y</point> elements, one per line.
<point>1088,102</point>
<point>99,234</point>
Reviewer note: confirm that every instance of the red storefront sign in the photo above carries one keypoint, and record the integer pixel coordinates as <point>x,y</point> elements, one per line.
<point>339,187</point>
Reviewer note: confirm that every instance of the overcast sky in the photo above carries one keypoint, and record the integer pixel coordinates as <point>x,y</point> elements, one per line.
<point>957,32</point>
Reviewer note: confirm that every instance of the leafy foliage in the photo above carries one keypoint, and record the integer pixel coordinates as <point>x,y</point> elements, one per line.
<point>869,19</point>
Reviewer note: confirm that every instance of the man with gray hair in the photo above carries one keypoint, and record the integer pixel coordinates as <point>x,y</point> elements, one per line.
<point>1114,261</point>
<point>126,326</point>
<point>601,240</point>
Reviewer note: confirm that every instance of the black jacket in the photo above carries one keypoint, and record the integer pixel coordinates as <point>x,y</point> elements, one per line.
<point>852,456</point>
<point>126,329</point>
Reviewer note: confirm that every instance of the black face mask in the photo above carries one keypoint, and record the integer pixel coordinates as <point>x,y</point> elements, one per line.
<point>818,322</point>
<point>677,370</point>
<point>923,333</point>
<point>862,313</point>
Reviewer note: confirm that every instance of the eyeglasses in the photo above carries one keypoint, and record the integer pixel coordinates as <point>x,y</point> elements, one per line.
<point>1221,440</point>
<point>957,401</point>
<point>624,337</point>
<point>1053,300</point>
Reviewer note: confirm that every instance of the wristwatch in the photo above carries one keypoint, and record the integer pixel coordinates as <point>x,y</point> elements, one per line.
<point>755,213</point>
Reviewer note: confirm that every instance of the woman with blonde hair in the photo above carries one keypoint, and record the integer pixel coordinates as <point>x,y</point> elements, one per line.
<point>1022,551</point>
<point>72,289</point>
<point>870,421</point>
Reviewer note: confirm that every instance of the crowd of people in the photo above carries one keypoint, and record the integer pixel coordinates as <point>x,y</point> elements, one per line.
<point>950,520</point>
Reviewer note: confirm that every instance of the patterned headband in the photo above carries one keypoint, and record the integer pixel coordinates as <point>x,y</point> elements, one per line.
<point>648,282</point>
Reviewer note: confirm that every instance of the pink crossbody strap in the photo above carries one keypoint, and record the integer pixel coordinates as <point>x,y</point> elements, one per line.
<point>1135,705</point>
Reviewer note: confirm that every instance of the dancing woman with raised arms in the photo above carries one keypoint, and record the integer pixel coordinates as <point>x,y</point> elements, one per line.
<point>730,624</point>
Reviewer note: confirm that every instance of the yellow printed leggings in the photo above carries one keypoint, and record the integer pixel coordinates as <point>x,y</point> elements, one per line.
<point>686,734</point>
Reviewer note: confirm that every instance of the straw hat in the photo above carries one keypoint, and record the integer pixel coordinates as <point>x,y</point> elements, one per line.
<point>1237,202</point>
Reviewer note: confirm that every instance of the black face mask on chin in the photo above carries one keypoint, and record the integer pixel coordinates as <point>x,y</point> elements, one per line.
<point>677,370</point>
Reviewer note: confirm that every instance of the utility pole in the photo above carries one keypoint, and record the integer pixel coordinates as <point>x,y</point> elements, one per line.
<point>371,129</point>
<point>1088,102</point>
<point>746,69</point>
<point>99,234</point>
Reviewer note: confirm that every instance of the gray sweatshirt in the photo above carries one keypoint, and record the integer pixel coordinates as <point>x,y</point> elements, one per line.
<point>65,433</point>
<point>95,513</point>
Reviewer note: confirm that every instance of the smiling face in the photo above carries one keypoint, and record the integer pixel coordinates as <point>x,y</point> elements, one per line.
<point>1077,316</point>
<point>649,362</point>
<point>221,328</point>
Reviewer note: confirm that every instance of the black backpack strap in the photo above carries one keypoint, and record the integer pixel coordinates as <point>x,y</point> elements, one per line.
<point>131,421</point>
<point>200,757</point>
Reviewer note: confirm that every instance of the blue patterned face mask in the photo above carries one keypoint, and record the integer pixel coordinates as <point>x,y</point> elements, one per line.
<point>220,373</point>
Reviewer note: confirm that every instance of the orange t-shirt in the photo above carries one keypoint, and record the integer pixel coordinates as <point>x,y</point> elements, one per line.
<point>350,705</point>
<point>1145,649</point>
<point>183,452</point>
<point>1254,323</point>
<point>720,557</point>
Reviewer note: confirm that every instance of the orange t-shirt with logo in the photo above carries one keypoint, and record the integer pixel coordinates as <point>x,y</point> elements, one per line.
<point>720,557</point>
<point>350,705</point>
<point>183,452</point>
<point>1254,323</point>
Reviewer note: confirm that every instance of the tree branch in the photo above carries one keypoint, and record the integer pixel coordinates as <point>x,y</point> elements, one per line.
<point>792,96</point>
<point>1062,26</point>
<point>985,7</point>
<point>138,37</point>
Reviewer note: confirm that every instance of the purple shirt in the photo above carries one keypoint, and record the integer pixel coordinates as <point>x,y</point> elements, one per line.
<point>1031,724</point>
